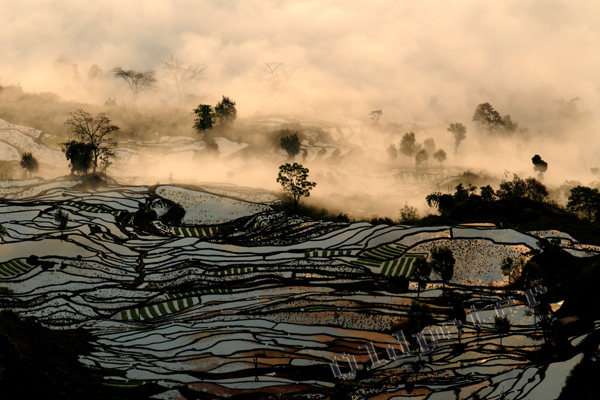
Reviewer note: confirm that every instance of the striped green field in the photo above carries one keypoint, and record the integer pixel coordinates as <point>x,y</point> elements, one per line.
<point>176,302</point>
<point>14,267</point>
<point>92,208</point>
<point>403,266</point>
<point>159,309</point>
<point>231,271</point>
<point>196,231</point>
<point>385,252</point>
<point>199,293</point>
<point>328,253</point>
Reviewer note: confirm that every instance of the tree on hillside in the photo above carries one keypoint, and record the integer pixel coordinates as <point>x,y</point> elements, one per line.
<point>294,180</point>
<point>429,145</point>
<point>459,131</point>
<point>585,202</point>
<point>539,165</point>
<point>440,156</point>
<point>375,115</point>
<point>518,188</point>
<point>80,155</point>
<point>225,112</point>
<point>487,117</point>
<point>205,118</point>
<point>62,219</point>
<point>408,145</point>
<point>502,326</point>
<point>421,274</point>
<point>96,132</point>
<point>182,75</point>
<point>29,162</point>
<point>421,157</point>
<point>289,142</point>
<point>408,214</point>
<point>419,316</point>
<point>136,80</point>
<point>392,152</point>
<point>442,262</point>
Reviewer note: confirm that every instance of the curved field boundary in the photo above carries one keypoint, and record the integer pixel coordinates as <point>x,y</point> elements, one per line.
<point>92,208</point>
<point>195,231</point>
<point>14,268</point>
<point>159,309</point>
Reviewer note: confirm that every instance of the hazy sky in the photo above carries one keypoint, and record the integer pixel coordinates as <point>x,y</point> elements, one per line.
<point>408,58</point>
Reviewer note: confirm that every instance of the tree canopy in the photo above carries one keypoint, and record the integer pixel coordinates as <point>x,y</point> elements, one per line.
<point>80,155</point>
<point>459,131</point>
<point>408,145</point>
<point>183,75</point>
<point>29,162</point>
<point>205,118</point>
<point>289,142</point>
<point>96,132</point>
<point>225,112</point>
<point>136,80</point>
<point>442,262</point>
<point>487,117</point>
<point>294,180</point>
<point>440,156</point>
<point>585,202</point>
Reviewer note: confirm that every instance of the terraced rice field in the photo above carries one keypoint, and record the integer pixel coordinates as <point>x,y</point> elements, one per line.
<point>249,313</point>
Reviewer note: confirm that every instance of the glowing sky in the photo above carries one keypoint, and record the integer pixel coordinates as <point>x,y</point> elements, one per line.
<point>408,58</point>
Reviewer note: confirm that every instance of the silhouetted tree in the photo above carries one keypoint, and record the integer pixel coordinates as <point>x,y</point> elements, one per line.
<point>421,157</point>
<point>29,162</point>
<point>421,274</point>
<point>136,80</point>
<point>408,214</point>
<point>183,75</point>
<point>536,190</point>
<point>205,118</point>
<point>392,152</point>
<point>429,145</point>
<point>408,145</point>
<point>585,202</point>
<point>375,115</point>
<point>419,316</point>
<point>539,165</point>
<point>80,155</point>
<point>486,116</point>
<point>62,219</point>
<point>440,156</point>
<point>490,119</point>
<point>225,112</point>
<point>94,131</point>
<point>294,180</point>
<point>459,131</point>
<point>518,188</point>
<point>487,193</point>
<point>290,142</point>
<point>442,262</point>
<point>502,326</point>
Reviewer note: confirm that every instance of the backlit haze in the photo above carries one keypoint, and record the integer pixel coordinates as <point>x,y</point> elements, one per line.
<point>424,64</point>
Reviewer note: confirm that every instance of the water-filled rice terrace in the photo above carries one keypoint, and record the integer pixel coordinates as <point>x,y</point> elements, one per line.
<point>262,303</point>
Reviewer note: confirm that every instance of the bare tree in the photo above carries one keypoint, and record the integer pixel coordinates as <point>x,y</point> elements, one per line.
<point>183,75</point>
<point>276,73</point>
<point>137,81</point>
<point>94,132</point>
